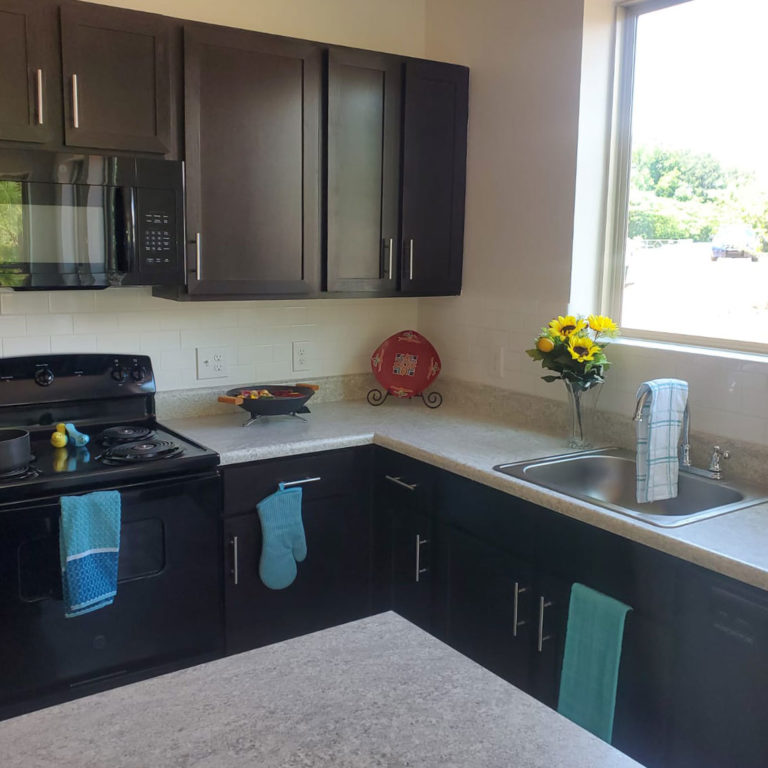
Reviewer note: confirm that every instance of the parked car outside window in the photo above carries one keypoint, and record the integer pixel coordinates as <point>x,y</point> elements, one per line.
<point>735,242</point>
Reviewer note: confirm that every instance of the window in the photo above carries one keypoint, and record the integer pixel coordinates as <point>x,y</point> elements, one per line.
<point>688,254</point>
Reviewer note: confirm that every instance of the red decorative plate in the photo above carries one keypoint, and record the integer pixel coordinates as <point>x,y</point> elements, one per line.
<point>405,364</point>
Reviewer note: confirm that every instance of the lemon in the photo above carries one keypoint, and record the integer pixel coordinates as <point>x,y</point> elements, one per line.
<point>545,344</point>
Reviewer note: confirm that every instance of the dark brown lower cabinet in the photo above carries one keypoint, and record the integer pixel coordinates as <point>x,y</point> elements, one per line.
<point>491,607</point>
<point>331,586</point>
<point>694,662</point>
<point>333,583</point>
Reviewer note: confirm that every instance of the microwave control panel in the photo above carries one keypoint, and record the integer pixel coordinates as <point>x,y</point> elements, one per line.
<point>158,231</point>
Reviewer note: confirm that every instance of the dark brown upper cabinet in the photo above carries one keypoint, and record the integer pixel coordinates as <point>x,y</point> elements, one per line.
<point>252,123</point>
<point>116,75</point>
<point>30,80</point>
<point>363,171</point>
<point>435,107</point>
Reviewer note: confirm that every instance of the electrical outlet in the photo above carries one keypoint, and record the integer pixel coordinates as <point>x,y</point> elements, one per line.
<point>302,351</point>
<point>212,363</point>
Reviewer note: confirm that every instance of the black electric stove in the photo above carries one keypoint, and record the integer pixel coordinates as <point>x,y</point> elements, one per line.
<point>110,398</point>
<point>167,610</point>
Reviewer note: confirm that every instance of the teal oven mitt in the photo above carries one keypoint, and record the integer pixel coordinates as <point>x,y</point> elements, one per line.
<point>283,541</point>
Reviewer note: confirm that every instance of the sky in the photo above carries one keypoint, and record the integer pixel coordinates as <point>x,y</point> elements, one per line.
<point>700,81</point>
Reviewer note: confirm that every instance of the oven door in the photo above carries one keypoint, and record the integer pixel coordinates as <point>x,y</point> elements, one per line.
<point>168,605</point>
<point>65,235</point>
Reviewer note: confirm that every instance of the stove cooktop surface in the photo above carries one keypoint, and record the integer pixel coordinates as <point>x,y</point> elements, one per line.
<point>115,455</point>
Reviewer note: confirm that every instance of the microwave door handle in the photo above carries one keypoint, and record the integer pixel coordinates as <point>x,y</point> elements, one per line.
<point>122,205</point>
<point>112,229</point>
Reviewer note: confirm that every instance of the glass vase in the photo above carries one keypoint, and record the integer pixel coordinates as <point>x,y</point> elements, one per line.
<point>582,404</point>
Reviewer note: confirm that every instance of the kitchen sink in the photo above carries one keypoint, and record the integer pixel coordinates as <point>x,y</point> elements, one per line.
<point>607,478</point>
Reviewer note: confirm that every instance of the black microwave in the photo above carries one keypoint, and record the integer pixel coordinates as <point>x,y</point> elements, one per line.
<point>89,221</point>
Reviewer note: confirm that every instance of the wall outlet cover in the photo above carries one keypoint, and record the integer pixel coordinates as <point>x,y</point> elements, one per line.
<point>302,354</point>
<point>212,363</point>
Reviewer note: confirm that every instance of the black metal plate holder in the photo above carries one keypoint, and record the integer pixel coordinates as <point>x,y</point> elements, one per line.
<point>430,399</point>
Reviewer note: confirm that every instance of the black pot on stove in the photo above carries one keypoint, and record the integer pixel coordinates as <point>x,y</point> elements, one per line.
<point>15,451</point>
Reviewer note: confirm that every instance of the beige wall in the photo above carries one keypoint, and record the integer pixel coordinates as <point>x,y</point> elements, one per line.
<point>395,26</point>
<point>524,60</point>
<point>525,87</point>
<point>258,335</point>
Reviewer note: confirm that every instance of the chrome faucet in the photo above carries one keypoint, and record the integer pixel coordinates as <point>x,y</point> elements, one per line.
<point>639,407</point>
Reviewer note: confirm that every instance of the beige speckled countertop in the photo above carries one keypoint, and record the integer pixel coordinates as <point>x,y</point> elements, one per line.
<point>374,693</point>
<point>470,444</point>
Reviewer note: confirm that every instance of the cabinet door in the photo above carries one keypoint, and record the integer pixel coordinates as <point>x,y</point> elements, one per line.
<point>551,597</point>
<point>30,108</point>
<point>434,177</point>
<point>332,585</point>
<point>644,694</point>
<point>413,566</point>
<point>363,171</point>
<point>116,79</point>
<point>252,106</point>
<point>490,607</point>
<point>406,556</point>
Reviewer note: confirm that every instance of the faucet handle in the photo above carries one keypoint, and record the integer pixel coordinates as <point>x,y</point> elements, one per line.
<point>717,454</point>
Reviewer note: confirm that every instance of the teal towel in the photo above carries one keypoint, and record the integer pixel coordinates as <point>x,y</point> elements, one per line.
<point>591,663</point>
<point>284,543</point>
<point>89,547</point>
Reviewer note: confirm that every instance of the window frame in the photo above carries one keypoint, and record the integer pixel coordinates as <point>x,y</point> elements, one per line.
<point>620,164</point>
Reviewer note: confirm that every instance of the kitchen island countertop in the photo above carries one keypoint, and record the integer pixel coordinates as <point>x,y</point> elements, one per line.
<point>470,444</point>
<point>375,692</point>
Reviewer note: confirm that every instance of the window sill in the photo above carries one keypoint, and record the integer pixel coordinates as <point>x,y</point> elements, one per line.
<point>691,349</point>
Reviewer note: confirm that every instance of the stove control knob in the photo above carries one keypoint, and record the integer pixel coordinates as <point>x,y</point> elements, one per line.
<point>138,372</point>
<point>119,374</point>
<point>44,377</point>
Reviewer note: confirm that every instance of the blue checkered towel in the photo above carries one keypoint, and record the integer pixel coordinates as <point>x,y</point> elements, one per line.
<point>658,434</point>
<point>89,546</point>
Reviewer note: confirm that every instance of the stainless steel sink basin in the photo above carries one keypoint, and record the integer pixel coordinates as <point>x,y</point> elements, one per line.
<point>607,478</point>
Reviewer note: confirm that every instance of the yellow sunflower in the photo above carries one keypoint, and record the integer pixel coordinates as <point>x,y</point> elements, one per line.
<point>563,327</point>
<point>582,348</point>
<point>602,324</point>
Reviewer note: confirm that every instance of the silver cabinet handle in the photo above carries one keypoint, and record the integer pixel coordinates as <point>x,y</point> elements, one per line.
<point>542,637</point>
<point>515,608</point>
<point>75,103</point>
<point>401,483</point>
<point>419,569</point>
<point>410,259</point>
<point>391,249</point>
<point>199,254</point>
<point>235,562</point>
<point>301,482</point>
<point>39,84</point>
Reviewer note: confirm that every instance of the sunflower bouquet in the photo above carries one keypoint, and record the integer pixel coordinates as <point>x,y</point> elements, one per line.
<point>574,347</point>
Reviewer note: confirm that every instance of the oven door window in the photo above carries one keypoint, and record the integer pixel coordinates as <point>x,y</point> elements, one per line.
<point>56,235</point>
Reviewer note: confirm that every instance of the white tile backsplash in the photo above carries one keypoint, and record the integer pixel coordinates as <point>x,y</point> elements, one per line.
<point>728,396</point>
<point>257,334</point>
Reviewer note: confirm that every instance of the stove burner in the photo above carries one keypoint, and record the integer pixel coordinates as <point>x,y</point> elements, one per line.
<point>140,451</point>
<point>25,473</point>
<point>125,434</point>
